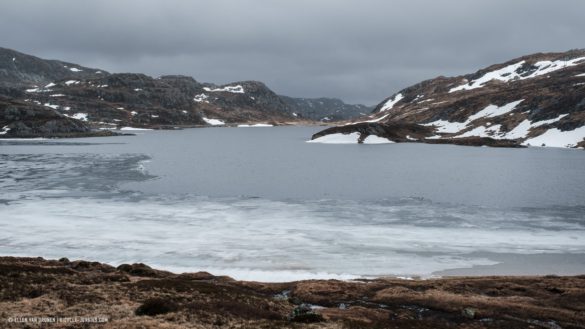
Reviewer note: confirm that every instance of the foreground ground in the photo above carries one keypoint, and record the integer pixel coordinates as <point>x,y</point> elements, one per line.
<point>81,294</point>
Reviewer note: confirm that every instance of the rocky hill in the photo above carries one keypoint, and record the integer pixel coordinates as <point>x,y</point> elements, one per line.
<point>536,100</point>
<point>18,69</point>
<point>96,99</point>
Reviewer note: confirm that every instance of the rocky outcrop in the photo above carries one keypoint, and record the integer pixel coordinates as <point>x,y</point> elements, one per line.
<point>399,132</point>
<point>536,100</point>
<point>18,120</point>
<point>133,296</point>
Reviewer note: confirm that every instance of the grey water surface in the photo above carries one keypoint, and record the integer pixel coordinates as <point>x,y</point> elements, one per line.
<point>262,204</point>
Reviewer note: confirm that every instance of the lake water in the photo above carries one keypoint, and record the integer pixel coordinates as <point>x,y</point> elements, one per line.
<point>262,204</point>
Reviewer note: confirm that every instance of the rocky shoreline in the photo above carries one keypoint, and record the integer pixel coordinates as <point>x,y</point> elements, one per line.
<point>82,294</point>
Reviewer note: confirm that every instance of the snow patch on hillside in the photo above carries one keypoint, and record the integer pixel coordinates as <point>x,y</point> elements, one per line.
<point>493,111</point>
<point>373,139</point>
<point>238,89</point>
<point>213,122</point>
<point>489,111</point>
<point>391,102</point>
<point>78,116</point>
<point>53,106</point>
<point>482,131</point>
<point>448,127</point>
<point>201,98</point>
<point>5,130</point>
<point>557,138</point>
<point>524,127</point>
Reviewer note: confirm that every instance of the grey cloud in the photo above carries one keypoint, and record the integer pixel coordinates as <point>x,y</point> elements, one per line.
<point>359,51</point>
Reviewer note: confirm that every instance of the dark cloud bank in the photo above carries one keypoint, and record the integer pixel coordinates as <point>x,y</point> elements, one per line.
<point>359,51</point>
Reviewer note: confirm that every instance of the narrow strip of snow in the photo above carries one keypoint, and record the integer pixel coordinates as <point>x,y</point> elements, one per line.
<point>54,107</point>
<point>580,75</point>
<point>71,82</point>
<point>547,122</point>
<point>238,89</point>
<point>78,116</point>
<point>5,130</point>
<point>74,69</point>
<point>57,95</point>
<point>50,85</point>
<point>556,138</point>
<point>493,111</point>
<point>368,121</point>
<point>391,102</point>
<point>134,129</point>
<point>255,125</point>
<point>133,113</point>
<point>214,122</point>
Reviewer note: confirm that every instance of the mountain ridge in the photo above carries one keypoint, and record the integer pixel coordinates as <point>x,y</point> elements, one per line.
<point>103,100</point>
<point>536,99</point>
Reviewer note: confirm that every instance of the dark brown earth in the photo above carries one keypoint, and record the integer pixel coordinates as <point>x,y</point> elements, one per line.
<point>137,296</point>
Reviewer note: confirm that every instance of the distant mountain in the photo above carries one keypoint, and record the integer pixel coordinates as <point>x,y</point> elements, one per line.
<point>103,100</point>
<point>536,100</point>
<point>325,109</point>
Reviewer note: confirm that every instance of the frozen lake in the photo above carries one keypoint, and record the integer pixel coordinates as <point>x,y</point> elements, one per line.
<point>262,204</point>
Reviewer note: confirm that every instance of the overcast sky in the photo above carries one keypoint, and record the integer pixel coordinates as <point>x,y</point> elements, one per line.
<point>360,51</point>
